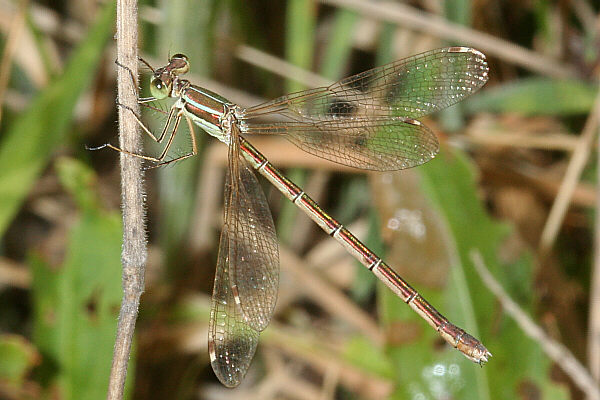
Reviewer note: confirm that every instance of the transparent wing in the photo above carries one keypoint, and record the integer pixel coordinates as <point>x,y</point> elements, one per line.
<point>253,249</point>
<point>410,88</point>
<point>247,275</point>
<point>231,341</point>
<point>373,143</point>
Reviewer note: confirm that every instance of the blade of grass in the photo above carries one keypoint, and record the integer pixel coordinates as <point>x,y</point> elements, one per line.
<point>339,44</point>
<point>299,49</point>
<point>450,183</point>
<point>191,33</point>
<point>411,18</point>
<point>458,12</point>
<point>299,41</point>
<point>19,357</point>
<point>75,303</point>
<point>569,97</point>
<point>30,142</point>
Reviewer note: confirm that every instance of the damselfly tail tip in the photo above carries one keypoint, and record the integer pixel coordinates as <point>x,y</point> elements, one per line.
<point>473,349</point>
<point>484,357</point>
<point>478,354</point>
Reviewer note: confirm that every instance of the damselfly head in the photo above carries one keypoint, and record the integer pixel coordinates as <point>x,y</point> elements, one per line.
<point>165,77</point>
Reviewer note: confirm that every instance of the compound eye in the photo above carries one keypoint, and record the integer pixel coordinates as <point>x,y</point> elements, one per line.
<point>179,55</point>
<point>158,89</point>
<point>179,64</point>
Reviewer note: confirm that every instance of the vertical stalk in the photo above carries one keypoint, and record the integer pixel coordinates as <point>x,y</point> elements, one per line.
<point>134,253</point>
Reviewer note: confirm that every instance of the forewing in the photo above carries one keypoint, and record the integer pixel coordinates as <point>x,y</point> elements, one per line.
<point>410,88</point>
<point>373,143</point>
<point>231,341</point>
<point>253,250</point>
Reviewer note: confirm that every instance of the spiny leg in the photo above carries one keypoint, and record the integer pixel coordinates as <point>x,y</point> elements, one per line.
<point>110,146</point>
<point>173,113</point>
<point>144,127</point>
<point>142,101</point>
<point>129,69</point>
<point>160,160</point>
<point>183,157</point>
<point>146,64</point>
<point>130,75</point>
<point>174,131</point>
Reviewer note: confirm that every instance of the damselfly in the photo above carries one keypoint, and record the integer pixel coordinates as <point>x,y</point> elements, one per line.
<point>368,121</point>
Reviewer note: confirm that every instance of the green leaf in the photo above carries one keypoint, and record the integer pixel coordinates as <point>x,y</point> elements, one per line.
<point>191,33</point>
<point>339,45</point>
<point>536,96</point>
<point>78,181</point>
<point>422,366</point>
<point>300,21</point>
<point>450,182</point>
<point>364,353</point>
<point>18,358</point>
<point>301,18</point>
<point>76,303</point>
<point>458,11</point>
<point>30,142</point>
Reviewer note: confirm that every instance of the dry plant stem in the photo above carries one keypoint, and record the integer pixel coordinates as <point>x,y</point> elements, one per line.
<point>329,297</point>
<point>521,139</point>
<point>556,351</point>
<point>594,322</point>
<point>10,47</point>
<point>330,383</point>
<point>586,15</point>
<point>434,25</point>
<point>280,380</point>
<point>299,347</point>
<point>280,67</point>
<point>316,185</point>
<point>134,252</point>
<point>208,201</point>
<point>13,274</point>
<point>570,181</point>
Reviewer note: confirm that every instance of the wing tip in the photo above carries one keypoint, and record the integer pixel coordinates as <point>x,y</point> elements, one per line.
<point>483,74</point>
<point>226,374</point>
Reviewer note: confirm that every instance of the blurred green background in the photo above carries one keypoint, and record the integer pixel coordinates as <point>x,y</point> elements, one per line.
<point>337,333</point>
